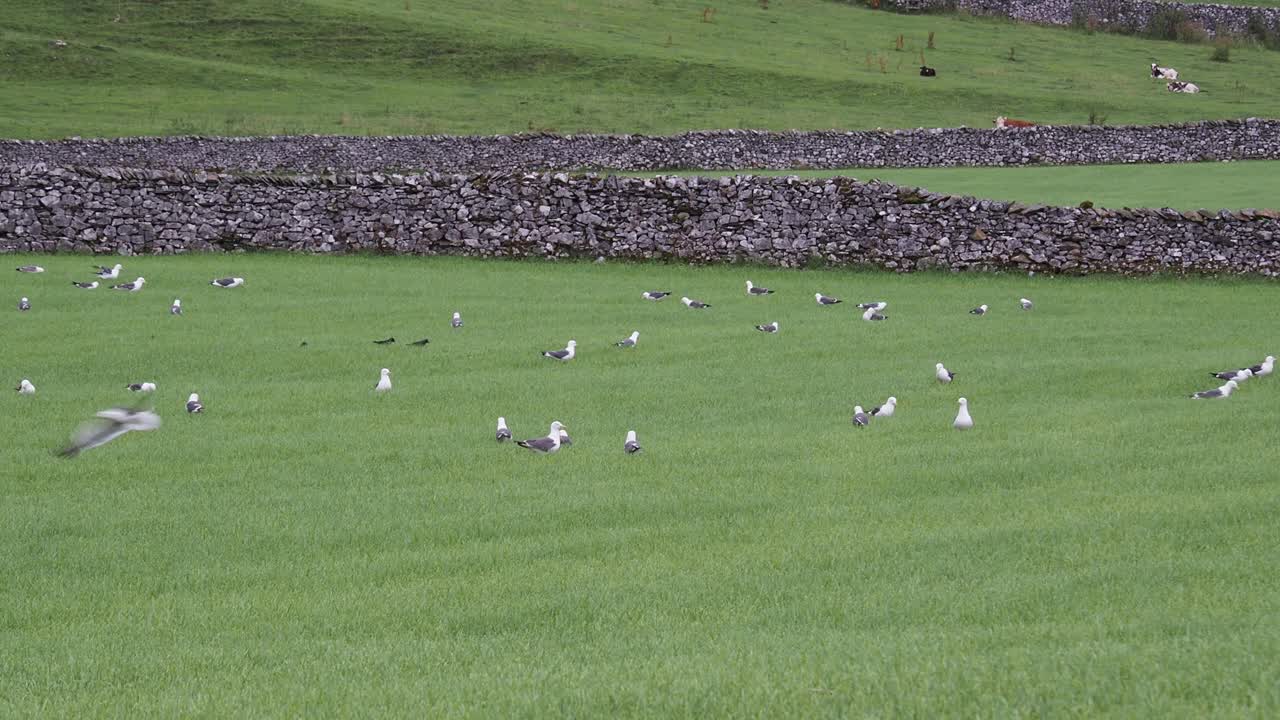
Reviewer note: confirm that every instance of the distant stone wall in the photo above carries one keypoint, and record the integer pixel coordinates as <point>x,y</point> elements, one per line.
<point>1127,15</point>
<point>725,149</point>
<point>783,221</point>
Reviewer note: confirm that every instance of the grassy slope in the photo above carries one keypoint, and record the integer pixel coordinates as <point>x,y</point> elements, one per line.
<point>1188,186</point>
<point>1100,544</point>
<point>481,66</point>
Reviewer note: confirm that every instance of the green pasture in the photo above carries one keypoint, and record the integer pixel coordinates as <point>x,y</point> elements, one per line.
<point>1099,545</point>
<point>500,66</point>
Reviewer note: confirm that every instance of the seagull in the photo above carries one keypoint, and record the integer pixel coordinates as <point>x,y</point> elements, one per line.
<point>25,387</point>
<point>176,307</point>
<point>228,282</point>
<point>753,290</point>
<point>109,425</point>
<point>1218,392</point>
<point>1237,375</point>
<point>860,418</point>
<point>457,320</point>
<point>887,409</point>
<point>193,404</point>
<point>384,382</point>
<point>980,310</point>
<point>824,300</point>
<point>387,341</point>
<point>873,306</point>
<point>771,328</point>
<point>24,305</point>
<point>564,355</point>
<point>565,440</point>
<point>963,421</point>
<point>872,316</point>
<point>30,269</point>
<point>1025,303</point>
<point>944,375</point>
<point>655,294</point>
<point>86,286</point>
<point>108,273</point>
<point>631,446</point>
<point>134,286</point>
<point>503,433</point>
<point>1265,368</point>
<point>421,343</point>
<point>629,341</point>
<point>695,304</point>
<point>544,445</point>
<point>141,387</point>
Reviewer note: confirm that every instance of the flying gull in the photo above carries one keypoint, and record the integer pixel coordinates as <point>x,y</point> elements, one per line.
<point>30,269</point>
<point>421,343</point>
<point>655,294</point>
<point>564,355</point>
<point>872,316</point>
<point>771,328</point>
<point>85,286</point>
<point>873,306</point>
<point>1265,368</point>
<point>631,446</point>
<point>1218,392</point>
<point>176,307</point>
<point>141,387</point>
<point>384,381</point>
<point>1237,375</point>
<point>227,282</point>
<point>980,310</point>
<point>109,425</point>
<point>544,445</point>
<point>134,286</point>
<point>629,341</point>
<point>193,404</point>
<point>695,304</point>
<point>503,433</point>
<point>944,375</point>
<point>753,290</point>
<point>887,409</point>
<point>824,300</point>
<point>963,421</point>
<point>25,387</point>
<point>456,322</point>
<point>860,418</point>
<point>108,273</point>
<point>1025,303</point>
<point>386,341</point>
<point>24,305</point>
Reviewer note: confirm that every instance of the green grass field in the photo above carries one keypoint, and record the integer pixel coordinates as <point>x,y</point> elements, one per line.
<point>1099,545</point>
<point>497,66</point>
<point>1182,185</point>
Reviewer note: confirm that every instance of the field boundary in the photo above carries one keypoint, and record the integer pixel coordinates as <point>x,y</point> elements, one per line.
<point>783,221</point>
<point>1214,140</point>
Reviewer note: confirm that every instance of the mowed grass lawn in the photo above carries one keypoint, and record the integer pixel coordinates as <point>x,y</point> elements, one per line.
<point>1253,184</point>
<point>243,67</point>
<point>1098,545</point>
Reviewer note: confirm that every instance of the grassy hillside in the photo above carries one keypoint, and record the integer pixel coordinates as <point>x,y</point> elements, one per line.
<point>482,66</point>
<point>1099,545</point>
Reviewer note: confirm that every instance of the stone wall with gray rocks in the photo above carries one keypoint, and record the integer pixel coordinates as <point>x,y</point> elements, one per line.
<point>722,149</point>
<point>1129,16</point>
<point>778,220</point>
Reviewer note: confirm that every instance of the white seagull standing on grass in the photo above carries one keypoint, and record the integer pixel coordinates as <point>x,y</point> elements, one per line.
<point>503,433</point>
<point>544,445</point>
<point>860,418</point>
<point>1265,368</point>
<point>384,381</point>
<point>176,307</point>
<point>227,282</point>
<point>887,409</point>
<point>631,446</point>
<point>871,315</point>
<point>108,273</point>
<point>193,404</point>
<point>694,304</point>
<point>753,290</point>
<point>456,322</point>
<point>771,328</point>
<point>24,305</point>
<point>980,310</point>
<point>145,387</point>
<point>109,425</point>
<point>629,341</point>
<point>655,294</point>
<point>944,375</point>
<point>823,300</point>
<point>134,286</point>
<point>25,387</point>
<point>30,269</point>
<point>873,306</point>
<point>963,421</point>
<point>1237,375</point>
<point>1217,393</point>
<point>86,286</point>
<point>1025,303</point>
<point>564,355</point>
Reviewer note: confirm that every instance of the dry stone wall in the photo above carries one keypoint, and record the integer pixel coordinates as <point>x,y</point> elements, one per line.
<point>727,149</point>
<point>783,221</point>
